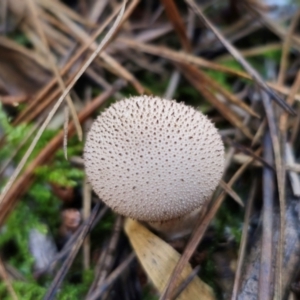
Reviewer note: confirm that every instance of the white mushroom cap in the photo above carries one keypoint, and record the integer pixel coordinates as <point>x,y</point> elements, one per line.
<point>153,159</point>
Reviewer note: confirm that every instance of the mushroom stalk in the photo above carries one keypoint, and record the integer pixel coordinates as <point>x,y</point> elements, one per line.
<point>177,228</point>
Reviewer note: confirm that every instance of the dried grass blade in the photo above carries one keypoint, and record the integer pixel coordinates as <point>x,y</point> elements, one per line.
<point>66,123</point>
<point>248,151</point>
<point>286,48</point>
<point>284,90</point>
<point>293,166</point>
<point>54,22</point>
<point>60,100</point>
<point>57,6</point>
<point>86,212</point>
<point>33,111</point>
<point>172,85</point>
<point>114,65</point>
<point>13,100</point>
<point>56,39</point>
<point>182,57</point>
<point>30,53</point>
<point>259,133</point>
<point>7,282</point>
<point>197,79</point>
<point>236,54</point>
<point>253,51</point>
<point>48,54</point>
<point>229,96</point>
<point>283,121</point>
<point>178,24</point>
<point>231,193</point>
<point>119,70</point>
<point>43,93</point>
<point>130,8</point>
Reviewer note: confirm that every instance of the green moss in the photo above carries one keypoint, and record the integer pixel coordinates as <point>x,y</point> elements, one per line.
<point>20,38</point>
<point>14,238</point>
<point>71,291</point>
<point>228,222</point>
<point>24,291</point>
<point>31,290</point>
<point>148,293</point>
<point>38,209</point>
<point>208,271</point>
<point>222,78</point>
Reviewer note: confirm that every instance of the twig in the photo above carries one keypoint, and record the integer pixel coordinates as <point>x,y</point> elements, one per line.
<point>87,202</point>
<point>178,24</point>
<point>110,255</point>
<point>231,193</point>
<point>71,242</point>
<point>186,282</point>
<point>279,164</point>
<point>112,277</point>
<point>266,268</point>
<point>68,262</point>
<point>243,243</point>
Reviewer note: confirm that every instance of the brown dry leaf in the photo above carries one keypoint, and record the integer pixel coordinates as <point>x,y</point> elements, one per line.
<point>159,259</point>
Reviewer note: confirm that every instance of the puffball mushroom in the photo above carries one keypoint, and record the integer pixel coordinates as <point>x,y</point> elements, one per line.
<point>153,160</point>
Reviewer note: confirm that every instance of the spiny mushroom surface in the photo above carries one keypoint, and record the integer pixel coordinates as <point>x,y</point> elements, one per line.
<point>153,159</point>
